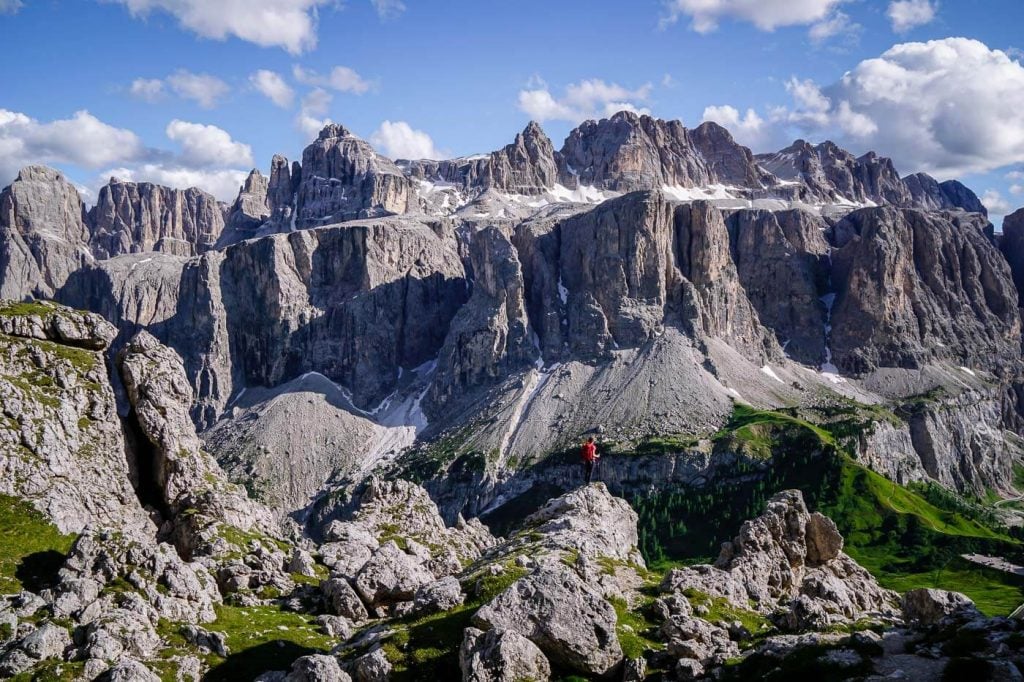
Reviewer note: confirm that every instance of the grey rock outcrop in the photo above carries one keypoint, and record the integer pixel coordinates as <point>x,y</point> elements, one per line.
<point>386,512</point>
<point>926,606</point>
<point>44,234</point>
<point>250,210</point>
<point>61,443</point>
<point>134,217</point>
<point>317,668</point>
<point>789,563</point>
<point>570,622</point>
<point>501,656</point>
<point>1012,246</point>
<point>932,195</point>
<point>185,477</point>
<point>629,152</point>
<point>529,166</point>
<point>490,336</point>
<point>833,174</point>
<point>344,178</point>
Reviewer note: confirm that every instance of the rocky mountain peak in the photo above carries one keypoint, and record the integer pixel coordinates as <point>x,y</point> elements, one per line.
<point>332,130</point>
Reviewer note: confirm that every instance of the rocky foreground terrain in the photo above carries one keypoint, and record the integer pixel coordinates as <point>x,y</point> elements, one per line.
<point>392,592</point>
<point>243,441</point>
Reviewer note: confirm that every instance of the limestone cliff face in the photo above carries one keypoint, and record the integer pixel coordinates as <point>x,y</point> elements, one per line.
<point>714,302</point>
<point>354,303</point>
<point>490,336</point>
<point>1012,246</point>
<point>915,286</point>
<point>134,217</point>
<point>782,262</point>
<point>44,233</point>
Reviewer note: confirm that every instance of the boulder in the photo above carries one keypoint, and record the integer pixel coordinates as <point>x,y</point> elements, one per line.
<point>591,521</point>
<point>925,606</point>
<point>372,667</point>
<point>442,595</point>
<point>501,656</point>
<point>391,575</point>
<point>343,600</point>
<point>317,668</point>
<point>570,622</point>
<point>129,670</point>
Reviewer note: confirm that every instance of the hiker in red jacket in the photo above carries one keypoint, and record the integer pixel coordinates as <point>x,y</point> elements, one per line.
<point>590,457</point>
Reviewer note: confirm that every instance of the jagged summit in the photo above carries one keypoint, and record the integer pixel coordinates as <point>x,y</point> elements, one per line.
<point>334,130</point>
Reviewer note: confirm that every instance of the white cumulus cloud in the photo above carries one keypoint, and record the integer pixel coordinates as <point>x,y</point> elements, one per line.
<point>202,88</point>
<point>208,156</point>
<point>995,203</point>
<point>312,115</point>
<point>836,24</point>
<point>908,14</point>
<point>147,89</point>
<point>399,140</point>
<point>81,140</point>
<point>207,145</point>
<point>273,87</point>
<point>289,24</point>
<point>947,107</point>
<point>340,78</point>
<point>767,15</point>
<point>748,129</point>
<point>589,98</point>
<point>388,9</point>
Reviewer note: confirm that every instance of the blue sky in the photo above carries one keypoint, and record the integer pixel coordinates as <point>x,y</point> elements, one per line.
<point>457,77</point>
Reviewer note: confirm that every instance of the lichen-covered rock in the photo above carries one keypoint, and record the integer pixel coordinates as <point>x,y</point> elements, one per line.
<point>47,641</point>
<point>185,476</point>
<point>501,656</point>
<point>552,607</point>
<point>178,591</point>
<point>403,512</point>
<point>695,638</point>
<point>591,521</point>
<point>62,447</point>
<point>442,595</point>
<point>129,670</point>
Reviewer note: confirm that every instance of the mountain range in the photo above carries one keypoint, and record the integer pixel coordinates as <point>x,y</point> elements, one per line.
<point>350,320</point>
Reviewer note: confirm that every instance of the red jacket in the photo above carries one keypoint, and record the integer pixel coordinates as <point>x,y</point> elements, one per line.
<point>589,452</point>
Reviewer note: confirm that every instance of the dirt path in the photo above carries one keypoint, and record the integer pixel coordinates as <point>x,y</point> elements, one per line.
<point>995,562</point>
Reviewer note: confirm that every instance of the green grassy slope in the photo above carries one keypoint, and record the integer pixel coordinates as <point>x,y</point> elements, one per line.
<point>907,537</point>
<point>31,548</point>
